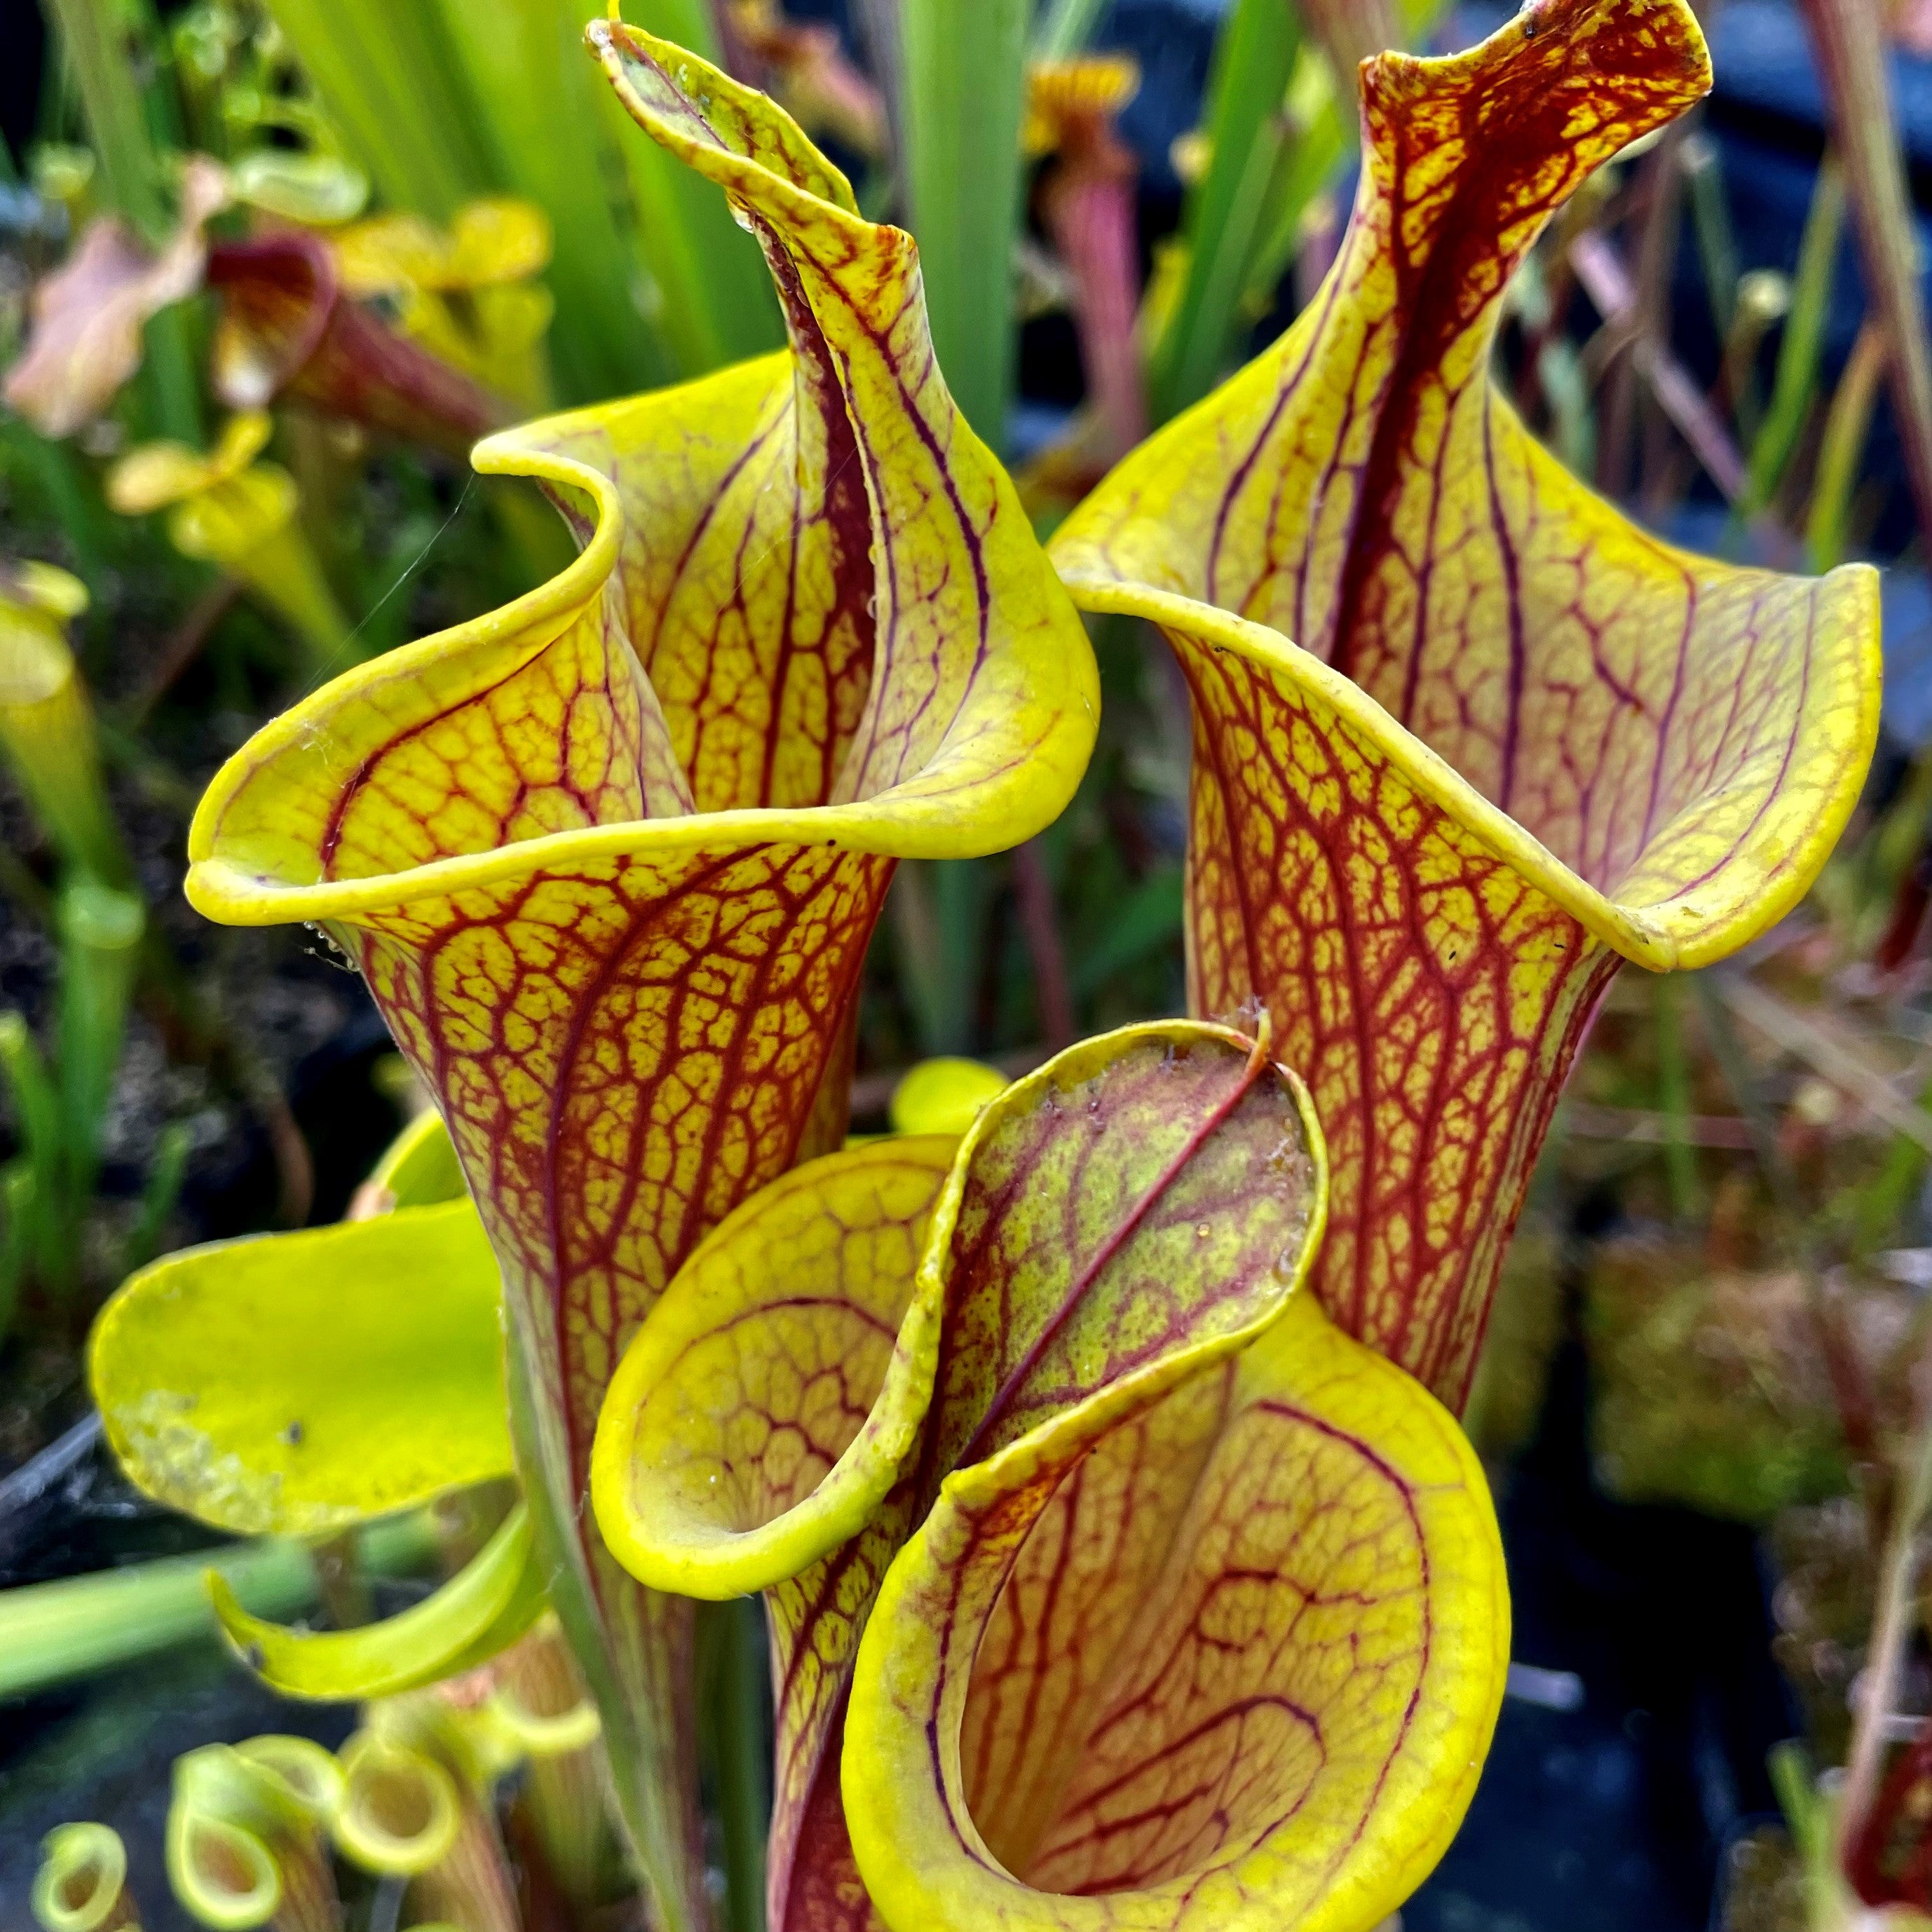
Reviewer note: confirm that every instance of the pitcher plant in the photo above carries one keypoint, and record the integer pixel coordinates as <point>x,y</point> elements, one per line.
<point>1126,1568</point>
<point>609,857</point>
<point>1465,738</point>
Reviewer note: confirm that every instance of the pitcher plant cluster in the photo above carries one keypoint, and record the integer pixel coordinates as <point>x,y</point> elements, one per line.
<point>1094,1446</point>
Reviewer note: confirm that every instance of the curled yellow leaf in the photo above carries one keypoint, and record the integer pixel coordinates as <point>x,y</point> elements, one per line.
<point>1231,1662</point>
<point>481,1610</point>
<point>1141,1579</point>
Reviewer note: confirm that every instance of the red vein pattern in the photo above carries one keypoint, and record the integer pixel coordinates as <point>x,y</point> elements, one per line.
<point>1141,1208</point>
<point>1213,1632</point>
<point>610,857</point>
<point>1463,736</point>
<point>1192,1655</point>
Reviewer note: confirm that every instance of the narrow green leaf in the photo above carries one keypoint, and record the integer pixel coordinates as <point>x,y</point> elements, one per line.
<point>19,1235</point>
<point>386,74</point>
<point>545,125</point>
<point>172,1147</point>
<point>93,35</point>
<point>482,1610</point>
<point>96,36</point>
<point>1324,124</point>
<point>965,87</point>
<point>1851,41</point>
<point>1711,219</point>
<point>1065,28</point>
<point>1841,451</point>
<point>1226,215</point>
<point>36,1105</point>
<point>1802,343</point>
<point>53,1632</point>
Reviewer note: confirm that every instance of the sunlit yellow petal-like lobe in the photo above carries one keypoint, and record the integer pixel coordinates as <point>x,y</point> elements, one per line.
<point>1465,736</point>
<point>1231,1661</point>
<point>302,1383</point>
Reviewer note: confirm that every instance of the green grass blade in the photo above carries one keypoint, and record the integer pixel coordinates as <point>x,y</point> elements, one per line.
<point>1065,28</point>
<point>1254,60</point>
<point>537,96</point>
<point>389,80</point>
<point>166,1172</point>
<point>36,1105</point>
<point>1308,163</point>
<point>709,294</point>
<point>1850,38</point>
<point>1711,219</point>
<point>1802,343</point>
<point>92,35</point>
<point>103,56</point>
<point>965,87</point>
<point>1841,450</point>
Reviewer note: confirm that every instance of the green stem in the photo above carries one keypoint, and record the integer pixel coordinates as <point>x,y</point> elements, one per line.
<point>38,1230</point>
<point>387,77</point>
<point>1802,343</point>
<point>1673,1095</point>
<point>53,745</point>
<point>1892,1631</point>
<point>100,942</point>
<point>964,93</point>
<point>170,358</point>
<point>635,1701</point>
<point>739,1655</point>
<point>52,1632</point>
